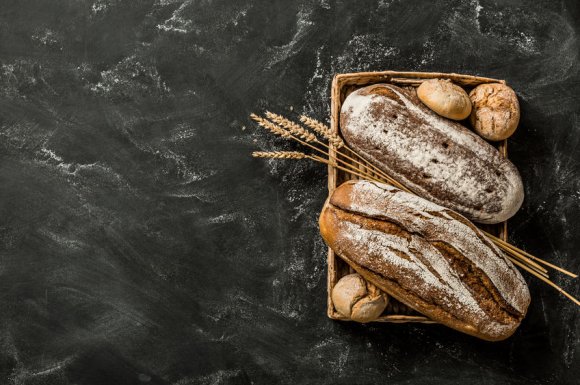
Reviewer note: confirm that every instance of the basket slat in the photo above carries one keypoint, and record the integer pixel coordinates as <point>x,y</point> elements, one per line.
<point>342,85</point>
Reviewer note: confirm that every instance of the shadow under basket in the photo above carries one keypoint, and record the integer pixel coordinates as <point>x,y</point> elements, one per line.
<point>342,86</point>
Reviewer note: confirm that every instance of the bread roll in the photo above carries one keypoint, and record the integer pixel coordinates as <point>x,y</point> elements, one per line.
<point>427,257</point>
<point>496,111</point>
<point>357,299</point>
<point>445,98</point>
<point>436,158</point>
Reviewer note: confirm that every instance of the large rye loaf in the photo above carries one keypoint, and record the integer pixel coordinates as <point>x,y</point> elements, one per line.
<point>436,158</point>
<point>426,256</point>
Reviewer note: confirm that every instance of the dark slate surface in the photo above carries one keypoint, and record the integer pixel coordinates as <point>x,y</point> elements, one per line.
<point>139,243</point>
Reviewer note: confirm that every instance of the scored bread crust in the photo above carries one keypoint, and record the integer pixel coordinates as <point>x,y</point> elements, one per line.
<point>426,256</point>
<point>434,157</point>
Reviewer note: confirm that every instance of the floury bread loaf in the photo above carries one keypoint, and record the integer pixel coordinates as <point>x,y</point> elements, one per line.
<point>426,256</point>
<point>434,157</point>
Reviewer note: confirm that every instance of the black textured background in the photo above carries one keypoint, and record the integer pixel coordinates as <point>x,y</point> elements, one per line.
<point>139,242</point>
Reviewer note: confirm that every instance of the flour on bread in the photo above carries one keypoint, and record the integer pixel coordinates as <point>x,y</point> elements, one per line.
<point>433,156</point>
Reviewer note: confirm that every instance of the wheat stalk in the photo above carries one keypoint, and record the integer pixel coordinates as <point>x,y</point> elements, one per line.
<point>332,138</point>
<point>292,127</point>
<point>279,154</point>
<point>290,130</point>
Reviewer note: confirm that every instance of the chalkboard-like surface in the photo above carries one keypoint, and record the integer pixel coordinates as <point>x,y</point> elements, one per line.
<point>139,243</point>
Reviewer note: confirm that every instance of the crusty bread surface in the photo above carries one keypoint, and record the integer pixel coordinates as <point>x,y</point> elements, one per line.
<point>427,257</point>
<point>436,158</point>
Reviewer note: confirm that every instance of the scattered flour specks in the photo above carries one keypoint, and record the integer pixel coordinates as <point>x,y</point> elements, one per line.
<point>130,78</point>
<point>478,8</point>
<point>62,240</point>
<point>48,38</point>
<point>368,51</point>
<point>216,378</point>
<point>181,132</point>
<point>21,77</point>
<point>429,52</point>
<point>337,362</point>
<point>303,25</point>
<point>177,22</point>
<point>223,218</point>
<point>99,6</point>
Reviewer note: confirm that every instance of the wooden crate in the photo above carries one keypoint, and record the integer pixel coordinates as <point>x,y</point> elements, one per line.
<point>344,84</point>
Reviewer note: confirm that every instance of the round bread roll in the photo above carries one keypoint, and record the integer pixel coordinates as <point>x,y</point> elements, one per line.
<point>496,111</point>
<point>357,299</point>
<point>445,98</point>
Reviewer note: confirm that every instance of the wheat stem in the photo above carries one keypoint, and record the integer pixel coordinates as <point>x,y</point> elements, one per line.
<point>337,142</point>
<point>546,280</point>
<point>513,249</point>
<point>350,171</point>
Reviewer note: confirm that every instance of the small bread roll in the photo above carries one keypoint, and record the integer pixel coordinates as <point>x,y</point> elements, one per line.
<point>445,98</point>
<point>496,111</point>
<point>357,299</point>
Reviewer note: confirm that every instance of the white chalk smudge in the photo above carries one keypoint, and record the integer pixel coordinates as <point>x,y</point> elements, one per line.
<point>181,132</point>
<point>284,52</point>
<point>177,22</point>
<point>337,362</point>
<point>51,155</point>
<point>59,365</point>
<point>369,50</point>
<point>428,53</point>
<point>215,378</point>
<point>49,38</point>
<point>99,6</point>
<point>223,218</point>
<point>478,8</point>
<point>23,375</point>
<point>130,77</point>
<point>526,43</point>
<point>202,196</point>
<point>65,241</point>
<point>22,77</point>
<point>362,52</point>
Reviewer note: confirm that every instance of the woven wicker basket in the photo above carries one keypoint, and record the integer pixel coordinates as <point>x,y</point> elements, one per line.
<point>342,85</point>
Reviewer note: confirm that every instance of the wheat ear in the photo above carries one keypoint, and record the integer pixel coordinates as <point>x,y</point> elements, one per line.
<point>273,128</point>
<point>323,130</point>
<point>334,139</point>
<point>292,127</point>
<point>291,130</point>
<point>279,154</point>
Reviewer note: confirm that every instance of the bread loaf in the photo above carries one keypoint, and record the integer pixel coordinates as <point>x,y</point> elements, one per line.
<point>434,157</point>
<point>427,257</point>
